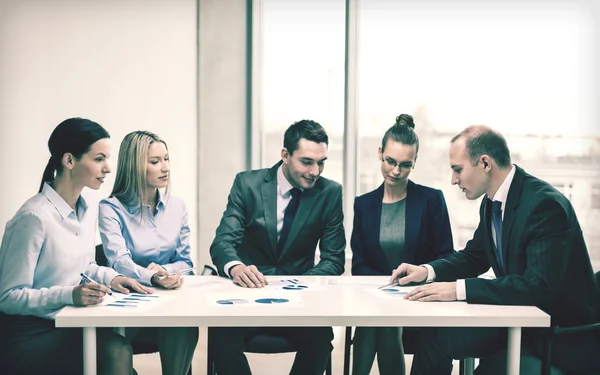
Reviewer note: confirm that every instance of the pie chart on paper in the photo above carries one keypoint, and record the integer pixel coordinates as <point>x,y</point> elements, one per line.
<point>294,287</point>
<point>232,301</point>
<point>270,301</point>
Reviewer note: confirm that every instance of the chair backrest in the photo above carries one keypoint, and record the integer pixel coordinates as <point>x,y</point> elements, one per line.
<point>209,271</point>
<point>100,257</point>
<point>597,274</point>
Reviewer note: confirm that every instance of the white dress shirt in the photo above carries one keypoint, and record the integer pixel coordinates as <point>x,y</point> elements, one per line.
<point>284,196</point>
<point>501,195</point>
<point>45,247</point>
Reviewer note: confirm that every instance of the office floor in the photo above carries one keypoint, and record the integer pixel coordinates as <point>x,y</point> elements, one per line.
<point>261,364</point>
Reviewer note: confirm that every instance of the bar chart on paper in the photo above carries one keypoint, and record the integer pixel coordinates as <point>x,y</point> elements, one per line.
<point>135,301</point>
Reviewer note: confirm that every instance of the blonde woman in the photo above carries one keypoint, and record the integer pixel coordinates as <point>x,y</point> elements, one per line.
<point>145,235</point>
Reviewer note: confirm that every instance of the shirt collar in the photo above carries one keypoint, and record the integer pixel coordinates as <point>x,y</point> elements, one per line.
<point>61,205</point>
<point>502,192</point>
<point>133,207</point>
<point>160,204</point>
<point>283,185</point>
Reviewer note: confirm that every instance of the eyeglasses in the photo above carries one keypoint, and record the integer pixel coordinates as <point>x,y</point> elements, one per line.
<point>393,163</point>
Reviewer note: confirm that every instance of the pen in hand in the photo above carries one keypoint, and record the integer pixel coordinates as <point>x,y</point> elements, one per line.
<point>87,279</point>
<point>395,283</point>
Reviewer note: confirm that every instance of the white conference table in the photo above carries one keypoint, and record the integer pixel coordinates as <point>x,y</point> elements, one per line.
<point>329,301</point>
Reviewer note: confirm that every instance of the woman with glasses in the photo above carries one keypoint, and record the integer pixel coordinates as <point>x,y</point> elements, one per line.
<point>145,235</point>
<point>399,222</point>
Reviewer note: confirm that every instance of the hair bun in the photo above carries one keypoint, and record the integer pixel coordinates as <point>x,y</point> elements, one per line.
<point>405,120</point>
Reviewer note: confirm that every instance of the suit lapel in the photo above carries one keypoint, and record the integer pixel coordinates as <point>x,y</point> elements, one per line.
<point>510,208</point>
<point>307,202</point>
<point>269,198</point>
<point>413,216</point>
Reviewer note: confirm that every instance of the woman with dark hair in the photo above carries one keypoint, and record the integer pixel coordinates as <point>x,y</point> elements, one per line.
<point>46,246</point>
<point>145,235</point>
<point>399,222</point>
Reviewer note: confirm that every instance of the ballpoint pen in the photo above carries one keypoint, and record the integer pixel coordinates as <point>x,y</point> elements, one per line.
<point>89,280</point>
<point>395,283</point>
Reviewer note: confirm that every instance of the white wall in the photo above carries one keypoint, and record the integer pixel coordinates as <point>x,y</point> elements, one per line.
<point>129,65</point>
<point>222,104</point>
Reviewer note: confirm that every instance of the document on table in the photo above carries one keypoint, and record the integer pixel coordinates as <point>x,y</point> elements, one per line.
<point>396,292</point>
<point>291,283</point>
<point>255,297</point>
<point>131,301</point>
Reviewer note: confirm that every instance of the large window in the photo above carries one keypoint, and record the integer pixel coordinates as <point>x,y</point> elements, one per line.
<point>525,68</point>
<point>522,68</point>
<point>302,74</point>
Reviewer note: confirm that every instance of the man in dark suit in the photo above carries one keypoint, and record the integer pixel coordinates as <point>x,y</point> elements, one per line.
<point>274,219</point>
<point>529,234</point>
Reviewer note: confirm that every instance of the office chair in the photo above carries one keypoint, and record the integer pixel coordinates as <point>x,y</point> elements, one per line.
<point>263,343</point>
<point>556,331</point>
<point>138,347</point>
<point>409,338</point>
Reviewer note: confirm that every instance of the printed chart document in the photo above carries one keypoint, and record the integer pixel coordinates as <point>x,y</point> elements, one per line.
<point>291,283</point>
<point>255,297</point>
<point>131,301</point>
<point>395,292</point>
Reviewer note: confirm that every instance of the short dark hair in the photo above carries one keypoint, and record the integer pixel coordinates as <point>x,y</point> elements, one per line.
<point>483,140</point>
<point>402,131</point>
<point>74,136</point>
<point>304,129</point>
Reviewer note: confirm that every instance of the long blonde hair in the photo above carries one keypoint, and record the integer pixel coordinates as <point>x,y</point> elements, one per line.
<point>130,184</point>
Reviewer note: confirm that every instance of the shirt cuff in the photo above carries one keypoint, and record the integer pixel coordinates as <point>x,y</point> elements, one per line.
<point>146,277</point>
<point>461,290</point>
<point>229,266</point>
<point>430,273</point>
<point>107,275</point>
<point>66,295</point>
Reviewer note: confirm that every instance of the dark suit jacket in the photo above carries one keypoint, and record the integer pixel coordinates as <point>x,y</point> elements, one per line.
<point>546,260</point>
<point>427,233</point>
<point>248,229</point>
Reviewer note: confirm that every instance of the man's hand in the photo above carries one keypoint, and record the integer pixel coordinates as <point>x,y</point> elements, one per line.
<point>408,273</point>
<point>89,294</point>
<point>433,292</point>
<point>123,284</point>
<point>247,276</point>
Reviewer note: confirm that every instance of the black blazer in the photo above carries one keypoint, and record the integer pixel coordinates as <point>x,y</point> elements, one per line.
<point>248,229</point>
<point>546,261</point>
<point>427,233</point>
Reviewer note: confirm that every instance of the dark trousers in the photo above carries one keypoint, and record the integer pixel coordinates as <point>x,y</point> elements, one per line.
<point>313,343</point>
<point>31,345</point>
<point>437,347</point>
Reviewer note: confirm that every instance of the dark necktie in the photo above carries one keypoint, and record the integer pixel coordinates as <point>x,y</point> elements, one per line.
<point>497,222</point>
<point>288,218</point>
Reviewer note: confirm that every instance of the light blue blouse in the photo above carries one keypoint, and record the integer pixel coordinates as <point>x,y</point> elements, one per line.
<point>131,242</point>
<point>45,247</point>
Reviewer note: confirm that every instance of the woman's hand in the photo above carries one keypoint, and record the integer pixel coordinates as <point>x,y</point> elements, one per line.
<point>89,294</point>
<point>124,284</point>
<point>162,279</point>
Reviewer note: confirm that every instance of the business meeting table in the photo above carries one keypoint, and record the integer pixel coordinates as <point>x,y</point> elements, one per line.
<point>212,301</point>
